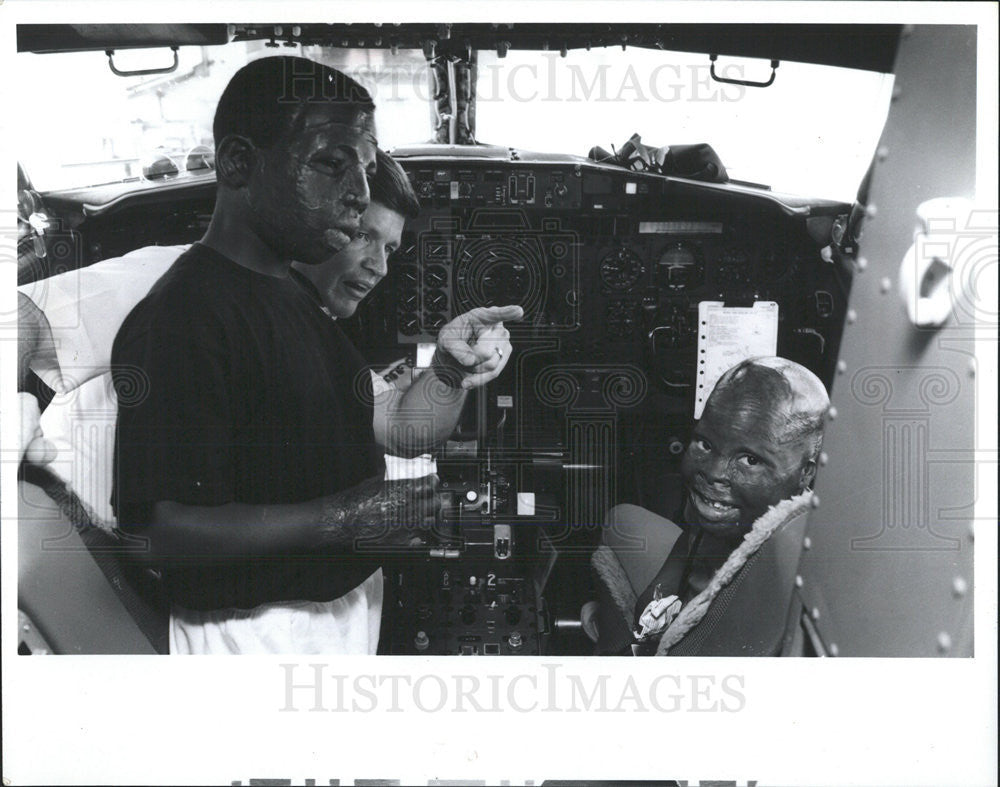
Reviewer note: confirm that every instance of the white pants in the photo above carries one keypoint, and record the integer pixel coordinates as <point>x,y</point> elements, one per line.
<point>348,625</point>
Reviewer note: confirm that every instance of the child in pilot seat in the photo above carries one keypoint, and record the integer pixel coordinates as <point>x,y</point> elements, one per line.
<point>756,445</point>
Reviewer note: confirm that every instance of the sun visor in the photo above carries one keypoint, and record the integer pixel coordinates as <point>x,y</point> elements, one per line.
<point>79,38</point>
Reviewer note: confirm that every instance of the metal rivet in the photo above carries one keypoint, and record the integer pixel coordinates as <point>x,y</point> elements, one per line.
<point>885,285</point>
<point>841,367</point>
<point>823,458</point>
<point>944,642</point>
<point>871,210</point>
<point>852,316</point>
<point>26,627</point>
<point>832,413</point>
<point>814,614</point>
<point>897,91</point>
<point>833,649</point>
<point>814,501</point>
<point>799,582</point>
<point>861,263</point>
<point>972,531</point>
<point>882,153</point>
<point>807,543</point>
<point>959,587</point>
<point>972,368</point>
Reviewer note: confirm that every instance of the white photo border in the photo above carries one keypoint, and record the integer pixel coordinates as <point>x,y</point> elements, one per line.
<point>149,720</point>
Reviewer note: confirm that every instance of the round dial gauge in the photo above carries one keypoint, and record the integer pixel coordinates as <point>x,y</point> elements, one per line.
<point>409,276</point>
<point>621,269</point>
<point>434,321</point>
<point>495,271</point>
<point>435,301</point>
<point>435,276</point>
<point>680,266</point>
<point>409,325</point>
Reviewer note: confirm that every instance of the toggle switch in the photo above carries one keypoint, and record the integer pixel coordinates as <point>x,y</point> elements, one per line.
<point>501,541</point>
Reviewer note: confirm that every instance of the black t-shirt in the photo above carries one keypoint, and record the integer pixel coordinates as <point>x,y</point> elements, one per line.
<point>233,386</point>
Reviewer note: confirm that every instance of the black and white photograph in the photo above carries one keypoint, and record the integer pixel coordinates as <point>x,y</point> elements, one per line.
<point>645,353</point>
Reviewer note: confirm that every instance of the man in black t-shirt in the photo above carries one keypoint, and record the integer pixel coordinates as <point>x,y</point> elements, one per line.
<point>245,449</point>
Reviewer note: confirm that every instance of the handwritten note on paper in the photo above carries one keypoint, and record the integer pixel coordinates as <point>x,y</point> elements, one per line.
<point>727,336</point>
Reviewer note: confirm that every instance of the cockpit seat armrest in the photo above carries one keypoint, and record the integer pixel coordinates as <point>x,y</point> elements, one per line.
<point>63,590</point>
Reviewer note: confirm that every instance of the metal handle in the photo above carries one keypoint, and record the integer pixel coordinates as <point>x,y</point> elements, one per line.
<point>142,71</point>
<point>931,283</point>
<point>743,82</point>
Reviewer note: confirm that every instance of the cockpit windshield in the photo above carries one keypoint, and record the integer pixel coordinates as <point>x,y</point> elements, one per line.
<point>812,132</point>
<point>794,136</point>
<point>160,126</point>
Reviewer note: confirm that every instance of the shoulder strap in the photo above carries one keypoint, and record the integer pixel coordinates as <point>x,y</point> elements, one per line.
<point>765,526</point>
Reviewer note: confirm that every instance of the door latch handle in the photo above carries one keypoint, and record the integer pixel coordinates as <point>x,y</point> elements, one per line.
<point>933,276</point>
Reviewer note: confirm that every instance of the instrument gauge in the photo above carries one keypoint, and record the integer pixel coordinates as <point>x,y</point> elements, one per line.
<point>734,269</point>
<point>495,271</point>
<point>680,267</point>
<point>620,320</point>
<point>409,325</point>
<point>435,276</point>
<point>436,301</point>
<point>621,269</point>
<point>434,321</point>
<point>409,276</point>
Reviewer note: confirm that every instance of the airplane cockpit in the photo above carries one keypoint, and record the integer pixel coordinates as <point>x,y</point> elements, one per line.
<point>646,244</point>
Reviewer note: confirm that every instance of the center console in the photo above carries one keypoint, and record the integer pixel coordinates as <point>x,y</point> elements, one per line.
<point>482,594</point>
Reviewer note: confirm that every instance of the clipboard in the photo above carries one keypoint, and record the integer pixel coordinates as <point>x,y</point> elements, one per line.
<point>728,335</point>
